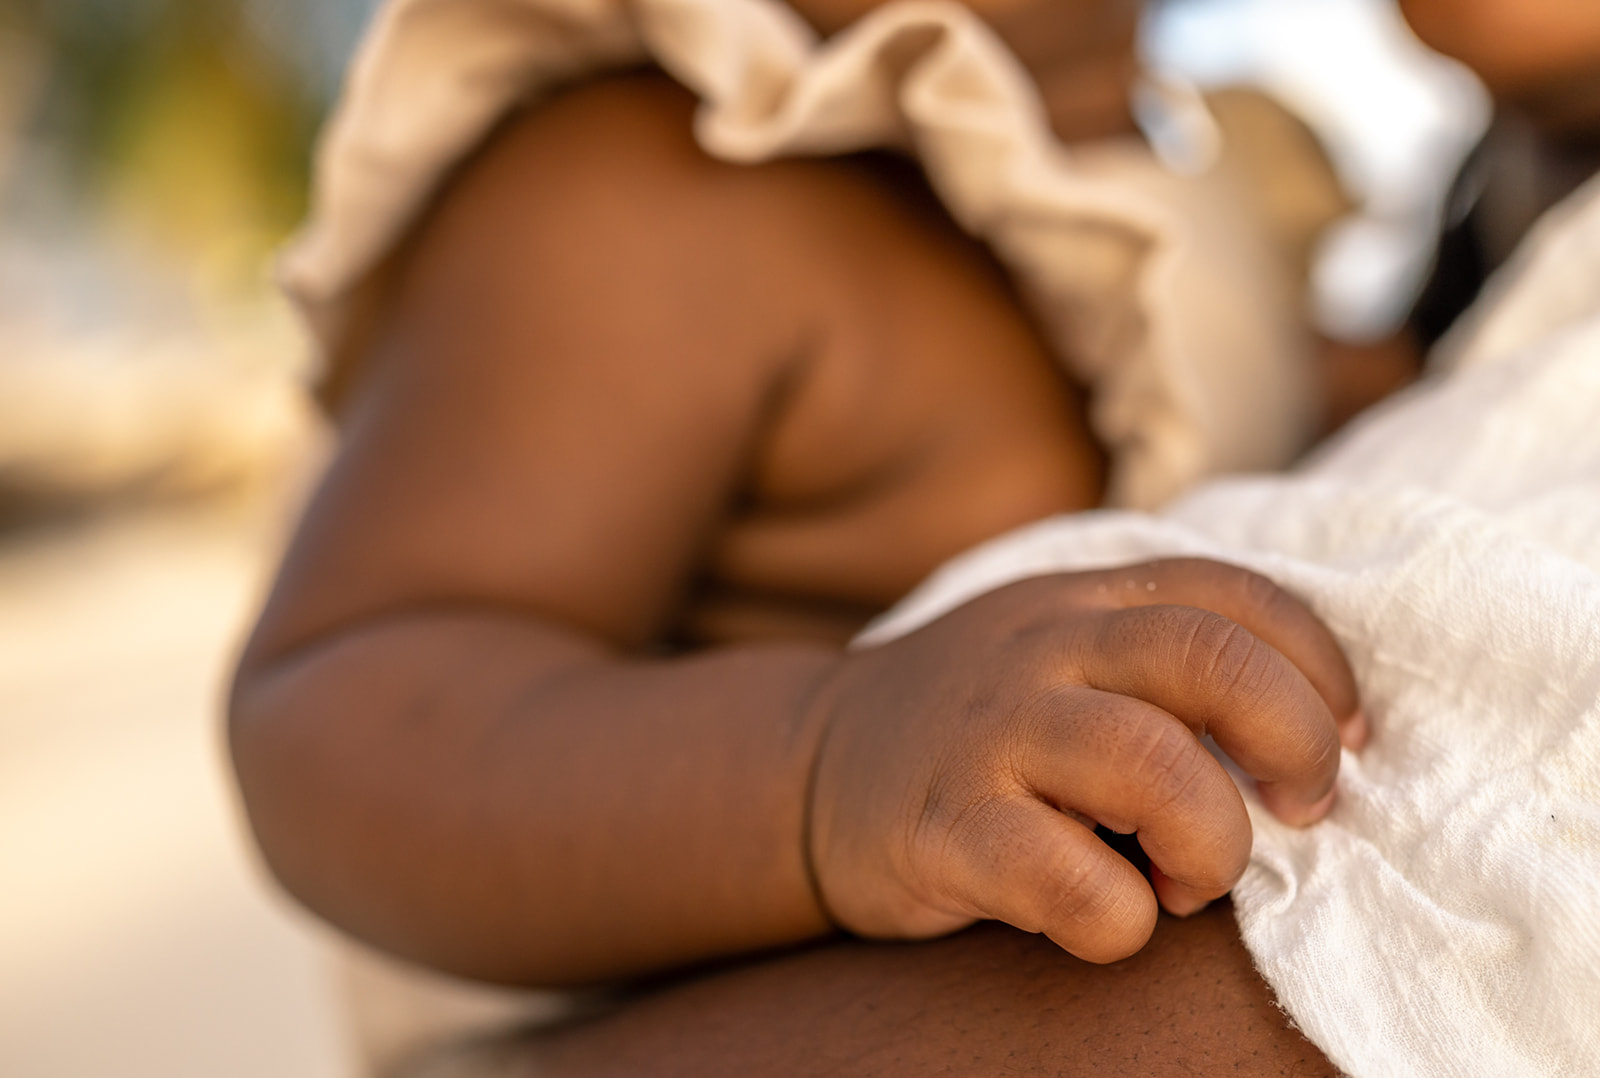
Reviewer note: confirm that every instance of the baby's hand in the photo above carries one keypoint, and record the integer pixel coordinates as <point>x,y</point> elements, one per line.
<point>963,767</point>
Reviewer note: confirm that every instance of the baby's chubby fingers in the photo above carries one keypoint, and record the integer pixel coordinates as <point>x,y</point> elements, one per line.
<point>959,769</point>
<point>1133,767</point>
<point>1271,614</point>
<point>1220,678</point>
<point>1253,601</point>
<point>1022,862</point>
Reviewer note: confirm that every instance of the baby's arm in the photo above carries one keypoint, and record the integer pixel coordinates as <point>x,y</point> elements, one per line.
<point>445,735</point>
<point>449,742</point>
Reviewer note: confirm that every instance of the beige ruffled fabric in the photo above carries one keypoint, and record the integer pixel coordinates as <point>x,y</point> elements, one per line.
<point>1173,297</point>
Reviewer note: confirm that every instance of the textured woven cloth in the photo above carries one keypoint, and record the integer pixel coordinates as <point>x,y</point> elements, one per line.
<point>1445,918</point>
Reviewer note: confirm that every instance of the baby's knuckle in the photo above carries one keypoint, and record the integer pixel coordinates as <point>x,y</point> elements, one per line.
<point>1135,630</point>
<point>1034,729</point>
<point>1038,638</point>
<point>1078,892</point>
<point>1223,654</point>
<point>1164,763</point>
<point>956,820</point>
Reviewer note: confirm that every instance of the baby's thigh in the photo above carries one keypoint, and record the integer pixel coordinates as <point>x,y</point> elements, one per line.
<point>988,1001</point>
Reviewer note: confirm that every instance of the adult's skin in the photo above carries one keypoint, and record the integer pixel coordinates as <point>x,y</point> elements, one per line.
<point>989,1001</point>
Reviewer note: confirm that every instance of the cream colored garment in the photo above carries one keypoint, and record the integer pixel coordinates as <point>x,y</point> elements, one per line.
<point>1445,918</point>
<point>1165,294</point>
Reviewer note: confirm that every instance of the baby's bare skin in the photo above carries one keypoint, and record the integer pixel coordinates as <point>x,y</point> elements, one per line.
<point>623,397</point>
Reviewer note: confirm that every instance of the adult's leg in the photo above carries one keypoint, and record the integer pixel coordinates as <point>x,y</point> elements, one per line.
<point>989,1001</point>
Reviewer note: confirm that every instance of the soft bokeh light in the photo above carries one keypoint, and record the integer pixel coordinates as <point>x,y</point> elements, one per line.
<point>152,157</point>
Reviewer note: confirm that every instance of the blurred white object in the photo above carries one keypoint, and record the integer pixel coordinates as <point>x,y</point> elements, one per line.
<point>1397,119</point>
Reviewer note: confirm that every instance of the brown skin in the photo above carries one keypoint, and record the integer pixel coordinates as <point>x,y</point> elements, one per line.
<point>1355,375</point>
<point>989,1001</point>
<point>669,399</point>
<point>1541,57</point>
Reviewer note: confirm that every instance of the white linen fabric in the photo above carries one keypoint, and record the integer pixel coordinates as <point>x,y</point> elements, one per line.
<point>1167,295</point>
<point>1445,918</point>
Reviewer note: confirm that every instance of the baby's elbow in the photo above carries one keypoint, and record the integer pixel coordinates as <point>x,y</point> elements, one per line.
<point>267,769</point>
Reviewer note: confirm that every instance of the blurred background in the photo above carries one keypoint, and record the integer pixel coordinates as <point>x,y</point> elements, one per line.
<point>154,438</point>
<point>152,156</point>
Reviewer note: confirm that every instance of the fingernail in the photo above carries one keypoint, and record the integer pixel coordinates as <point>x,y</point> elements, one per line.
<point>1354,731</point>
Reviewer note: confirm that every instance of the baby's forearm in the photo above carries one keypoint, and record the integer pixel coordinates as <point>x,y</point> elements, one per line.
<point>501,798</point>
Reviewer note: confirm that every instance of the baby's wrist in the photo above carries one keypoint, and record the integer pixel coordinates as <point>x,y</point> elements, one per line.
<point>813,723</point>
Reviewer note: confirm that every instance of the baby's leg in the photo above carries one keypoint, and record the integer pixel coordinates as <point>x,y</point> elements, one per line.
<point>989,1001</point>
